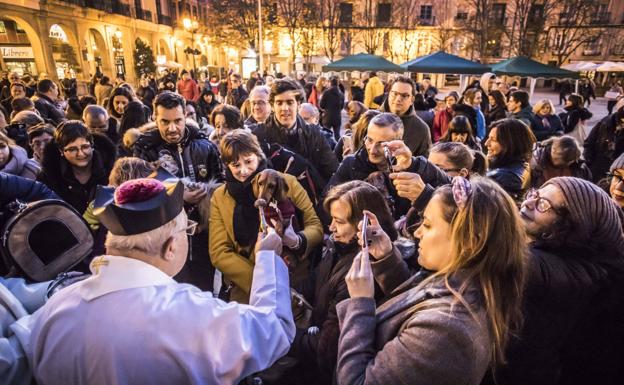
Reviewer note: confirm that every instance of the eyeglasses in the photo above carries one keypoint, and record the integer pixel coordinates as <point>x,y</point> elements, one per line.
<point>191,227</point>
<point>395,94</point>
<point>74,150</point>
<point>542,205</point>
<point>619,178</point>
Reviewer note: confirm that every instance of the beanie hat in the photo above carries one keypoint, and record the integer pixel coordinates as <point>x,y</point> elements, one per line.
<point>596,220</point>
<point>618,163</point>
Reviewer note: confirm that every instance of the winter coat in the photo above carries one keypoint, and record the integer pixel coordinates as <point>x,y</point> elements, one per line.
<point>495,113</point>
<point>102,92</point>
<point>542,168</point>
<point>572,116</point>
<point>514,177</point>
<point>374,87</point>
<point>546,126</point>
<point>57,173</point>
<point>195,156</point>
<point>562,287</point>
<point>236,97</point>
<point>307,141</point>
<point>440,342</point>
<point>26,190</point>
<point>332,103</point>
<point>603,145</point>
<point>526,116</point>
<point>358,167</point>
<point>324,290</point>
<point>19,164</point>
<point>188,89</point>
<point>48,110</point>
<point>469,112</point>
<point>427,116</point>
<point>357,94</point>
<point>147,95</point>
<point>416,133</point>
<point>237,262</point>
<point>441,121</point>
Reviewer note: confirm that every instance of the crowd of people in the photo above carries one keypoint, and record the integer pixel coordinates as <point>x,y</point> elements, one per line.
<point>309,230</point>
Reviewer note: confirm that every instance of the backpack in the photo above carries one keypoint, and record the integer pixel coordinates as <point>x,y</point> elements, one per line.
<point>44,238</point>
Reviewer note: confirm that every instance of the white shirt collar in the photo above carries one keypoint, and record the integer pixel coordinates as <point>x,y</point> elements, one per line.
<point>113,273</point>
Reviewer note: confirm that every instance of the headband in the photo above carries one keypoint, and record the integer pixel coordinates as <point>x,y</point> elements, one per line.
<point>462,190</point>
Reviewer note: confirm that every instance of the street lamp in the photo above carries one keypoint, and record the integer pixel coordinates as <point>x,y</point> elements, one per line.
<point>192,26</point>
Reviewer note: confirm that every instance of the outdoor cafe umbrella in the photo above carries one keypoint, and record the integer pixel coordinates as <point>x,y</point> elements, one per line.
<point>362,62</point>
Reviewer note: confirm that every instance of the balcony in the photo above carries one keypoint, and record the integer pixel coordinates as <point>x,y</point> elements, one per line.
<point>601,18</point>
<point>121,8</point>
<point>143,14</point>
<point>102,5</point>
<point>164,20</point>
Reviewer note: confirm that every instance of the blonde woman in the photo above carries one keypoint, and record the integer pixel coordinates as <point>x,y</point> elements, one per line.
<point>317,91</point>
<point>449,327</point>
<point>547,122</point>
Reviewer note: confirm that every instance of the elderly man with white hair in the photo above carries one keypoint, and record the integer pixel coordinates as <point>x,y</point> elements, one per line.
<point>131,323</point>
<point>260,107</point>
<point>312,115</point>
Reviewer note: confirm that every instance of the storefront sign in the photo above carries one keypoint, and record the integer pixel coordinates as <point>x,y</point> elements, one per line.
<point>17,52</point>
<point>56,32</point>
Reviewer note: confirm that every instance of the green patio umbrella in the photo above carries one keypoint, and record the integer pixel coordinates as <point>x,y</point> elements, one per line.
<point>363,62</point>
<point>524,67</point>
<point>444,63</point>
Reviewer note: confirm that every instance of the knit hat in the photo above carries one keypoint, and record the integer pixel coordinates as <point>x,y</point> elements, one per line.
<point>618,163</point>
<point>596,220</point>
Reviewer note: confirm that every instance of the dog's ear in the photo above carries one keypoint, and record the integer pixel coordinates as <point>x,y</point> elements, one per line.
<point>254,185</point>
<point>281,189</point>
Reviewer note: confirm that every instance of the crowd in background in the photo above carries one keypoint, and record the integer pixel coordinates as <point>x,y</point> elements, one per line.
<point>497,251</point>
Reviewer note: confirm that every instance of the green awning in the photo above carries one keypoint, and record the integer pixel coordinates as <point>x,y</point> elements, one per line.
<point>524,67</point>
<point>363,62</point>
<point>444,63</point>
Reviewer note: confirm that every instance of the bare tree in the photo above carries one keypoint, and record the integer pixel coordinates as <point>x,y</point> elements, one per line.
<point>237,24</point>
<point>330,26</point>
<point>479,26</point>
<point>372,35</point>
<point>574,28</point>
<point>407,20</point>
<point>526,33</point>
<point>308,33</point>
<point>446,30</point>
<point>292,18</point>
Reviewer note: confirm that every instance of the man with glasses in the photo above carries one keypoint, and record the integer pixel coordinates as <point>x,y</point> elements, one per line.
<point>130,322</point>
<point>260,107</point>
<point>237,94</point>
<point>384,151</point>
<point>400,102</point>
<point>573,298</point>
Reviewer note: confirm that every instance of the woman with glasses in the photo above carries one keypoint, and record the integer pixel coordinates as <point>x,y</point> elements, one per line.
<point>76,162</point>
<point>573,306</point>
<point>14,159</point>
<point>616,185</point>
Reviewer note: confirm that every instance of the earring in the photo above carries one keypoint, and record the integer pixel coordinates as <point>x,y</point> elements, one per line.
<point>546,236</point>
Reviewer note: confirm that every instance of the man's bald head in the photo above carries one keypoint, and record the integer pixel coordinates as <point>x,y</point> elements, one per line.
<point>95,118</point>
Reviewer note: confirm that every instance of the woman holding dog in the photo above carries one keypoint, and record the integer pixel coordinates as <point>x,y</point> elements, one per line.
<point>235,222</point>
<point>447,328</point>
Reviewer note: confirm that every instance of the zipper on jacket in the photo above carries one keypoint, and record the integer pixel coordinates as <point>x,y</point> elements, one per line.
<point>180,149</point>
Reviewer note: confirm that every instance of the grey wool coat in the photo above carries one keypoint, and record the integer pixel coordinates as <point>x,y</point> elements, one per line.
<point>440,343</point>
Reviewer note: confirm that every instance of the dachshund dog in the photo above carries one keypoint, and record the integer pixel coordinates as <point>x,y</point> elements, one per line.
<point>271,192</point>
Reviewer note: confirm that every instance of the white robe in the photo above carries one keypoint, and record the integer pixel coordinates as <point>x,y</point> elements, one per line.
<point>132,324</point>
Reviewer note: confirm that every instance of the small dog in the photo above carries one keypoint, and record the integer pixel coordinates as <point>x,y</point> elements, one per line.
<point>204,205</point>
<point>271,187</point>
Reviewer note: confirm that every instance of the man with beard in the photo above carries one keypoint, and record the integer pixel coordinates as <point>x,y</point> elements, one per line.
<point>400,102</point>
<point>413,177</point>
<point>572,331</point>
<point>186,153</point>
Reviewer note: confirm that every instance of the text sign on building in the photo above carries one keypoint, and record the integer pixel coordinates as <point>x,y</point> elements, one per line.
<point>17,52</point>
<point>56,32</point>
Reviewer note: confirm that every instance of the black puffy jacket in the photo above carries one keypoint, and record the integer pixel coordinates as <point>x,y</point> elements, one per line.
<point>57,173</point>
<point>358,167</point>
<point>196,157</point>
<point>48,110</point>
<point>514,177</point>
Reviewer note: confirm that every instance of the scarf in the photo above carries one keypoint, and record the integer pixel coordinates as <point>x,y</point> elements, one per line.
<point>246,220</point>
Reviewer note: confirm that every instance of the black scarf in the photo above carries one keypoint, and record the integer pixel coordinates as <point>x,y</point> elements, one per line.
<point>246,220</point>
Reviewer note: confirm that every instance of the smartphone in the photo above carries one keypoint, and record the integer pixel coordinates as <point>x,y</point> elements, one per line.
<point>389,158</point>
<point>365,240</point>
